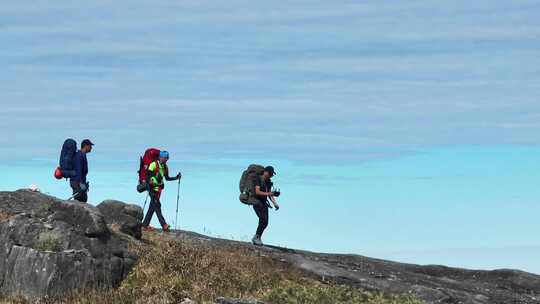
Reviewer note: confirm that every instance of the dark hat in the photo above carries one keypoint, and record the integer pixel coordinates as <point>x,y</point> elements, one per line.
<point>270,170</point>
<point>86,142</point>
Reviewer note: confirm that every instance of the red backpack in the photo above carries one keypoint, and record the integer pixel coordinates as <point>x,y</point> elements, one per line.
<point>150,156</point>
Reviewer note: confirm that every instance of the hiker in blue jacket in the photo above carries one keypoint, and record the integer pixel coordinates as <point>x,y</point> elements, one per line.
<point>78,183</point>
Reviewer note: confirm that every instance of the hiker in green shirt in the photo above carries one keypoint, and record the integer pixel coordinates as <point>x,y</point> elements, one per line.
<point>157,173</point>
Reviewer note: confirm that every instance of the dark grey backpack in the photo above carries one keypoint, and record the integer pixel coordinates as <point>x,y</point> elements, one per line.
<point>247,183</point>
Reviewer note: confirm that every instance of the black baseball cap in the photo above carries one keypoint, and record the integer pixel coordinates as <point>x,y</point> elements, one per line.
<point>270,170</point>
<point>86,142</point>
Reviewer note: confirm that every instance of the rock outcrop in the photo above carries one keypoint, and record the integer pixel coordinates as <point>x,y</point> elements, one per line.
<point>127,217</point>
<point>50,246</point>
<point>431,283</point>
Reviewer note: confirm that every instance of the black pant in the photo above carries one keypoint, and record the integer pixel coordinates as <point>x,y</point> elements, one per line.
<point>155,206</point>
<point>261,209</point>
<point>81,196</point>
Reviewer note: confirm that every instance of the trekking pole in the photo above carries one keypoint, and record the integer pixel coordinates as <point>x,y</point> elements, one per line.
<point>71,197</point>
<point>177,202</point>
<point>75,194</point>
<point>145,200</point>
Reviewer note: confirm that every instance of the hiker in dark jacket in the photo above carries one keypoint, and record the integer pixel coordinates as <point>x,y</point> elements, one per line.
<point>263,193</point>
<point>78,183</point>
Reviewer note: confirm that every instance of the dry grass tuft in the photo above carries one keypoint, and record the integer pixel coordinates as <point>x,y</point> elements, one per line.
<point>4,216</point>
<point>204,272</point>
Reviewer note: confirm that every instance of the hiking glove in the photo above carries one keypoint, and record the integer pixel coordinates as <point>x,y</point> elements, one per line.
<point>83,187</point>
<point>179,175</point>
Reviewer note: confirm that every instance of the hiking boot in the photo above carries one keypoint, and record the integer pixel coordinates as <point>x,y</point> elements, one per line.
<point>166,228</point>
<point>148,228</point>
<point>256,240</point>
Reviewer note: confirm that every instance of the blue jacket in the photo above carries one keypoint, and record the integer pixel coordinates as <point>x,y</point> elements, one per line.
<point>80,165</point>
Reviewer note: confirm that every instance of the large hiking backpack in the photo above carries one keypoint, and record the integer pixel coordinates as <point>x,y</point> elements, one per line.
<point>66,167</point>
<point>150,156</point>
<point>247,183</point>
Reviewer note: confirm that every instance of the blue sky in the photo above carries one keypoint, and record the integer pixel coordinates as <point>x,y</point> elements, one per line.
<point>354,80</point>
<point>324,87</point>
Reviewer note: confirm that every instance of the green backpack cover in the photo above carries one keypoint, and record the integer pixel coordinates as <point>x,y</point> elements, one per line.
<point>247,183</point>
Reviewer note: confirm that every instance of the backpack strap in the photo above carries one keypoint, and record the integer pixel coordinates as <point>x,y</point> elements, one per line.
<point>159,178</point>
<point>156,170</point>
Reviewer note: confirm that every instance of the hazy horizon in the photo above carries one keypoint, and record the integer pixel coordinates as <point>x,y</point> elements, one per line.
<point>476,217</point>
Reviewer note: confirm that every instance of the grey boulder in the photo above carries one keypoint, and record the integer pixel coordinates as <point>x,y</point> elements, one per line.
<point>128,218</point>
<point>49,246</point>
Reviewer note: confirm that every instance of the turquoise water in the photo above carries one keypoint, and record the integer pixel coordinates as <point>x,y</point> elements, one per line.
<point>473,207</point>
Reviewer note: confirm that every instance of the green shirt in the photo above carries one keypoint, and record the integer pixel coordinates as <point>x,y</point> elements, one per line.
<point>157,180</point>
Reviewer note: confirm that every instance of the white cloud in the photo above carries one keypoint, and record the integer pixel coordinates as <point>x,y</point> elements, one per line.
<point>315,76</point>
